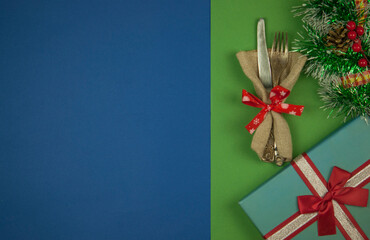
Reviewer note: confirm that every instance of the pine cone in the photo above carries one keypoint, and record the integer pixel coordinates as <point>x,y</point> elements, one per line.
<point>337,40</point>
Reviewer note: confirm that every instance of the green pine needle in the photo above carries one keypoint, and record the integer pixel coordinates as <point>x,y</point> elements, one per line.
<point>319,17</point>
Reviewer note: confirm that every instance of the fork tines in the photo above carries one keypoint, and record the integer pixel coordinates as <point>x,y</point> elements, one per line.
<point>278,44</point>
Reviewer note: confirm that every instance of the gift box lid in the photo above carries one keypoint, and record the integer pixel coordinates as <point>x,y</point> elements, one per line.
<point>276,200</point>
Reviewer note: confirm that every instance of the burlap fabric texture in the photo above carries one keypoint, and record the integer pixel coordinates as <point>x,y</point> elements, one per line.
<point>283,139</point>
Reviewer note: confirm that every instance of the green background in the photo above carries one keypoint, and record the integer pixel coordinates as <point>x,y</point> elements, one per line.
<point>235,168</point>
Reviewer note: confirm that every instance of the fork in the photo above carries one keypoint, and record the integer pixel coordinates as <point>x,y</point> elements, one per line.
<point>279,57</point>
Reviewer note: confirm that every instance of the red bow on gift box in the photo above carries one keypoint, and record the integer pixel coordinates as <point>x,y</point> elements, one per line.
<point>336,191</point>
<point>277,95</point>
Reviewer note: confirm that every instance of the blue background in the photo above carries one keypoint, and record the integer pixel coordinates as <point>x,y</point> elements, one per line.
<point>105,115</point>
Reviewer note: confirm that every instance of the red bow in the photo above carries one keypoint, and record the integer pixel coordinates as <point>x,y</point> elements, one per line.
<point>336,191</point>
<point>277,95</point>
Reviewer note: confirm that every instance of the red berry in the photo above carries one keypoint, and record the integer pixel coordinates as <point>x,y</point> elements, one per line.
<point>357,40</point>
<point>352,35</point>
<point>356,47</point>
<point>360,30</point>
<point>351,25</point>
<point>362,62</point>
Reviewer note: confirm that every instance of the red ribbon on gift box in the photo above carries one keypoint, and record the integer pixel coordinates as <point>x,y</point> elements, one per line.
<point>277,96</point>
<point>326,205</point>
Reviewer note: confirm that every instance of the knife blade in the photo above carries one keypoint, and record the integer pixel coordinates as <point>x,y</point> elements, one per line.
<point>264,69</point>
<point>264,72</point>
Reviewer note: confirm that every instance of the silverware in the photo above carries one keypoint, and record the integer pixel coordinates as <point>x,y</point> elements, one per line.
<point>279,58</point>
<point>264,72</point>
<point>264,69</point>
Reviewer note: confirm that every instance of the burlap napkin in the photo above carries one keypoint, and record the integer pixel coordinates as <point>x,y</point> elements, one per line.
<point>283,139</point>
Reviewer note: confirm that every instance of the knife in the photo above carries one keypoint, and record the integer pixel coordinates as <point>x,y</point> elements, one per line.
<point>264,72</point>
<point>264,69</point>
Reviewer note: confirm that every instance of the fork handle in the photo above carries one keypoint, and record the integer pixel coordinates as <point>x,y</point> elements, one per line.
<point>276,77</point>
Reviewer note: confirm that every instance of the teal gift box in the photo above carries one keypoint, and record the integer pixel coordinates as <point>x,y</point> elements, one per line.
<point>274,208</point>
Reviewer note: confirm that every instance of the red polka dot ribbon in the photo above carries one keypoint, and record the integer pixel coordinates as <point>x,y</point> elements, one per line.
<point>277,95</point>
